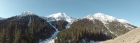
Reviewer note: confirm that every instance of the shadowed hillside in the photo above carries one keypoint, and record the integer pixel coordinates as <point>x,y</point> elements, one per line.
<point>25,29</point>
<point>80,30</point>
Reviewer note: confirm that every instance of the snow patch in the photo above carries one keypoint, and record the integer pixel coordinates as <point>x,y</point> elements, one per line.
<point>108,29</point>
<point>103,17</point>
<point>123,21</point>
<point>90,17</point>
<point>53,37</point>
<point>29,21</point>
<point>68,25</point>
<point>83,40</point>
<point>49,19</point>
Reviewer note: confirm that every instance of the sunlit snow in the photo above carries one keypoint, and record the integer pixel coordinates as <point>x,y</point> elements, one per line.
<point>53,37</point>
<point>61,16</point>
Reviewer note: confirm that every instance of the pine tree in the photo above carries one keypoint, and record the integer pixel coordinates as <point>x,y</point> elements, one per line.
<point>2,33</point>
<point>30,33</point>
<point>17,36</point>
<point>7,38</point>
<point>8,33</point>
<point>23,41</point>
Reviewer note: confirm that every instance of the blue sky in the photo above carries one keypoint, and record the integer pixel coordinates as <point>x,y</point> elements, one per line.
<point>124,9</point>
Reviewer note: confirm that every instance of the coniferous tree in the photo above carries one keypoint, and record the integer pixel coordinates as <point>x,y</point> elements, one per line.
<point>7,36</point>
<point>2,34</point>
<point>30,33</point>
<point>8,33</point>
<point>17,36</point>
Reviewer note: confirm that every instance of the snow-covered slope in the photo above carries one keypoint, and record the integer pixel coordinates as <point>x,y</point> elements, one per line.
<point>52,38</point>
<point>56,17</point>
<point>61,16</point>
<point>107,18</point>
<point>122,21</point>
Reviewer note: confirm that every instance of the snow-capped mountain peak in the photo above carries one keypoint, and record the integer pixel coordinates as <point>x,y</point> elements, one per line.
<point>90,16</point>
<point>26,13</point>
<point>104,18</point>
<point>57,15</point>
<point>61,16</point>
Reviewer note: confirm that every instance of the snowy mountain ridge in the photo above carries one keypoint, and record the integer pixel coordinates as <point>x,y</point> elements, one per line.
<point>61,16</point>
<point>105,18</point>
<point>106,23</point>
<point>25,13</point>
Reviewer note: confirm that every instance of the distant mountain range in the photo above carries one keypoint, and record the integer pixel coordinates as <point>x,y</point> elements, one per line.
<point>1,18</point>
<point>61,28</point>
